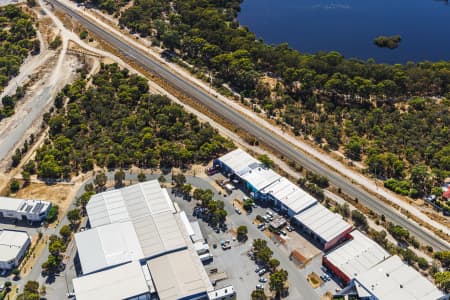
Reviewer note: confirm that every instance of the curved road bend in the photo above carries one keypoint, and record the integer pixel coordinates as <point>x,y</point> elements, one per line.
<point>270,139</point>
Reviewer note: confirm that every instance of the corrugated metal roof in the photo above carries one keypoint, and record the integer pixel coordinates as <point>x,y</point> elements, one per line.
<point>150,210</point>
<point>107,246</point>
<point>290,195</point>
<point>197,236</point>
<point>357,255</point>
<point>129,203</point>
<point>11,242</point>
<point>31,207</point>
<point>178,275</point>
<point>122,282</point>
<point>323,222</point>
<point>394,280</point>
<point>260,177</point>
<point>239,161</point>
<point>7,203</point>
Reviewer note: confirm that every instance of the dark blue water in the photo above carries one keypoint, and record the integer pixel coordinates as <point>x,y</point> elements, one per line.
<point>349,26</point>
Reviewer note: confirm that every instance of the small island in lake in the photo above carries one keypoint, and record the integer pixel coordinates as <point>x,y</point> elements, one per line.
<point>390,42</point>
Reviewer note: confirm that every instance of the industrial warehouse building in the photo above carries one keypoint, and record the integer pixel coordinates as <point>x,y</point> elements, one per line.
<point>24,210</point>
<point>13,247</point>
<point>325,228</point>
<point>137,230</point>
<point>354,257</point>
<point>392,279</point>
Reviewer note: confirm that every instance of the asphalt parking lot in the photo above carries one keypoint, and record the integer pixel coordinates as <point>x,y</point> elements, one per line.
<point>240,270</point>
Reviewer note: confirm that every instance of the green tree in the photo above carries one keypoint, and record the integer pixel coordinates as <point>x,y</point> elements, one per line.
<point>273,264</point>
<point>248,204</point>
<point>265,160</point>
<point>258,295</point>
<point>277,281</point>
<point>83,34</point>
<point>14,186</point>
<point>65,232</point>
<point>52,214</point>
<point>398,232</point>
<point>359,219</point>
<point>242,233</point>
<point>186,189</point>
<point>31,291</point>
<point>141,177</point>
<point>443,257</point>
<point>419,178</point>
<point>179,180</point>
<point>119,177</point>
<point>423,263</point>
<point>442,279</point>
<point>259,244</point>
<point>26,177</point>
<point>74,215</point>
<point>100,181</point>
<point>56,246</point>
<point>264,255</point>
<point>51,264</point>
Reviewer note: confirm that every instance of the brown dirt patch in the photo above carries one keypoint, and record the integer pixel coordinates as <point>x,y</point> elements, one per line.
<point>59,194</point>
<point>314,280</point>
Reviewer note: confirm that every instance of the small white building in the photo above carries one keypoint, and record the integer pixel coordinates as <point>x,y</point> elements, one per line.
<point>24,210</point>
<point>225,293</point>
<point>13,246</point>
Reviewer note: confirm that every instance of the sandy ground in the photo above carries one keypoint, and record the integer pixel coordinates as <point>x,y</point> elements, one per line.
<point>39,246</point>
<point>59,194</point>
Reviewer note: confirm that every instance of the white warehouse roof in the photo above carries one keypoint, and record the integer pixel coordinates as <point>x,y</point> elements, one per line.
<point>150,210</point>
<point>107,246</point>
<point>394,280</point>
<point>11,243</point>
<point>128,203</point>
<point>122,282</point>
<point>290,195</point>
<point>239,161</point>
<point>179,275</point>
<point>260,177</point>
<point>32,207</point>
<point>323,222</point>
<point>357,255</point>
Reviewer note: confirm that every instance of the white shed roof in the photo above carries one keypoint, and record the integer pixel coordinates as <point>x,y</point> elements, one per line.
<point>239,161</point>
<point>11,242</point>
<point>179,274</point>
<point>394,280</point>
<point>7,203</point>
<point>260,177</point>
<point>290,195</point>
<point>150,210</point>
<point>198,235</point>
<point>128,203</point>
<point>122,282</point>
<point>106,246</point>
<point>357,255</point>
<point>31,207</point>
<point>323,222</point>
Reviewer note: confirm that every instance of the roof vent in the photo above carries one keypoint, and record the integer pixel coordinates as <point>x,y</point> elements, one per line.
<point>387,274</point>
<point>401,286</point>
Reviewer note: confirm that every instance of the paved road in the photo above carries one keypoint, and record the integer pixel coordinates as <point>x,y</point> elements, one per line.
<point>273,141</point>
<point>12,134</point>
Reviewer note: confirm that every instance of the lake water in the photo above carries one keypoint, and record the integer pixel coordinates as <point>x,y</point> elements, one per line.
<point>349,26</point>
